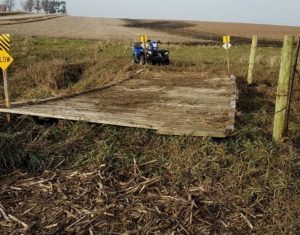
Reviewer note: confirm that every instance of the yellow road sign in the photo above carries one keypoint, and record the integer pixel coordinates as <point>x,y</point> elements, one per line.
<point>226,39</point>
<point>144,38</point>
<point>5,60</point>
<point>5,42</point>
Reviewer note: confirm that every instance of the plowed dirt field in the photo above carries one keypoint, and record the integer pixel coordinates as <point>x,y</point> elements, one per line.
<point>128,30</point>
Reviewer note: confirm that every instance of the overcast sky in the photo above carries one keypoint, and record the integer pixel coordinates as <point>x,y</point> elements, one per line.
<point>284,12</point>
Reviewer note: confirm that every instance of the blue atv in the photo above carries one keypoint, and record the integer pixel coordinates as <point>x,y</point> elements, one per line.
<point>153,54</point>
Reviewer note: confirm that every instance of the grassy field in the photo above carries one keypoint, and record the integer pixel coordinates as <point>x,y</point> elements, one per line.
<point>79,177</point>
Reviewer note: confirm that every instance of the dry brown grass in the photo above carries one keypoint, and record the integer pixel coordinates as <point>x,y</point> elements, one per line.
<point>83,178</point>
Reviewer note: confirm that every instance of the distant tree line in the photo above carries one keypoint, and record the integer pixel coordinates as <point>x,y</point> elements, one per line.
<point>47,6</point>
<point>10,4</point>
<point>30,6</point>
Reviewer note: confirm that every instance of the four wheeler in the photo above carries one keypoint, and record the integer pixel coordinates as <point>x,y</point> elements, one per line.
<point>152,54</point>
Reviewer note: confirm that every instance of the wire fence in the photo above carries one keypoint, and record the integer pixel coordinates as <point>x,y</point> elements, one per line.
<point>295,98</point>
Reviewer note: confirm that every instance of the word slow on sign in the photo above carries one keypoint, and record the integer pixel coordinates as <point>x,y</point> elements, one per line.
<point>5,60</point>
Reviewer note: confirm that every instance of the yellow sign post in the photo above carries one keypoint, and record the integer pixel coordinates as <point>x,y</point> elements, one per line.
<point>144,40</point>
<point>226,39</point>
<point>5,62</point>
<point>226,46</point>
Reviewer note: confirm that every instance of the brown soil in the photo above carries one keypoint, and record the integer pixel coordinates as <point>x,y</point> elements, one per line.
<point>128,30</point>
<point>86,28</point>
<point>25,18</point>
<point>213,31</point>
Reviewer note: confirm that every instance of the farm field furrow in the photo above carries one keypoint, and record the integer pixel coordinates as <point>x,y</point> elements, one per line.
<point>85,28</point>
<point>128,30</point>
<point>211,30</point>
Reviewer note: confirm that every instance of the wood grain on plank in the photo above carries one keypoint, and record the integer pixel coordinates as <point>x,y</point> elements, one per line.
<point>171,104</point>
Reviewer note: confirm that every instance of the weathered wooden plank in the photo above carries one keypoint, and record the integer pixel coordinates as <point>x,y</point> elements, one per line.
<point>182,99</point>
<point>149,115</point>
<point>170,105</point>
<point>158,107</point>
<point>104,118</point>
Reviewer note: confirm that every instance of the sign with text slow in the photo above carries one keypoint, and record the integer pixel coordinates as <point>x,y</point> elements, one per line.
<point>5,60</point>
<point>144,38</point>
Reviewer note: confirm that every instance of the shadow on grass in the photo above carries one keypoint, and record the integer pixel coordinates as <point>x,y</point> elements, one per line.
<point>252,99</point>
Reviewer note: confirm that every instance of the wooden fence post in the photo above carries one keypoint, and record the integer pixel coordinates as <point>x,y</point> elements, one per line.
<point>252,60</point>
<point>6,93</point>
<point>228,62</point>
<point>292,81</point>
<point>283,89</point>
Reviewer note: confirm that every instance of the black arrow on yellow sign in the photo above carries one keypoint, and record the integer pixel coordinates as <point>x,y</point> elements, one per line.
<point>5,42</point>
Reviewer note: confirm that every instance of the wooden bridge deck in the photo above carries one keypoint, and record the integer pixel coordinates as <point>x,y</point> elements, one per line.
<point>171,104</point>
